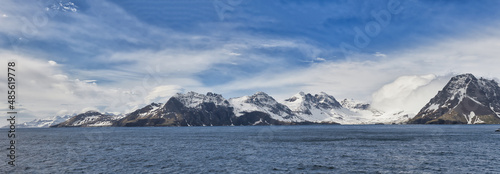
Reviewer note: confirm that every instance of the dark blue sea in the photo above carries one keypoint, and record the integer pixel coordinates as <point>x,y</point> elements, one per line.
<point>257,149</point>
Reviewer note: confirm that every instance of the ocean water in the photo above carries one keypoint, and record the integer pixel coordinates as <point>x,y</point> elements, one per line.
<point>258,149</point>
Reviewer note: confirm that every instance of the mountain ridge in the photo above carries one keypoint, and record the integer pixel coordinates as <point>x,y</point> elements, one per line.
<point>194,109</point>
<point>464,100</point>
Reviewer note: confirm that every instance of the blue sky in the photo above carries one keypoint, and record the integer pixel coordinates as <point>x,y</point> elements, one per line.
<point>77,53</point>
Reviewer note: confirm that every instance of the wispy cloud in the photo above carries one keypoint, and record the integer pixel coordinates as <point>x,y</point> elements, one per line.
<point>113,56</point>
<point>475,53</point>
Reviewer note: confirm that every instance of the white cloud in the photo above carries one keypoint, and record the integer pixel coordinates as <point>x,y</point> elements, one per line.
<point>345,79</point>
<point>90,81</point>
<point>378,54</point>
<point>161,93</point>
<point>408,93</point>
<point>476,53</point>
<point>44,90</point>
<point>320,59</point>
<point>152,73</point>
<point>89,109</point>
<point>53,63</point>
<point>233,54</point>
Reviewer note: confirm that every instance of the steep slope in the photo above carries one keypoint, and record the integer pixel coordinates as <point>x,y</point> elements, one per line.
<point>261,102</point>
<point>90,119</point>
<point>318,108</point>
<point>325,108</point>
<point>464,100</point>
<point>352,104</point>
<point>195,100</point>
<point>193,109</point>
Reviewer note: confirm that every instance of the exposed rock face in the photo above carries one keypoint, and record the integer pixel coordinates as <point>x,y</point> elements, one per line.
<point>464,100</point>
<point>90,119</point>
<point>262,102</point>
<point>179,111</point>
<point>193,109</point>
<point>303,103</point>
<point>351,104</point>
<point>323,108</point>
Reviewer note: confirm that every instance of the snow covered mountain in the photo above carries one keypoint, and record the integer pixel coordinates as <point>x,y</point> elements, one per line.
<point>317,108</point>
<point>325,108</point>
<point>464,100</point>
<point>90,119</point>
<point>264,103</point>
<point>353,104</point>
<point>45,123</point>
<point>193,109</point>
<point>195,100</point>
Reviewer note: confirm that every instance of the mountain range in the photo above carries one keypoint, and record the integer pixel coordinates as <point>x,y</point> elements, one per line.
<point>464,100</point>
<point>47,122</point>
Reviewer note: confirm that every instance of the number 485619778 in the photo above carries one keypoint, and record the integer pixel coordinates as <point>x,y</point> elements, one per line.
<point>11,77</point>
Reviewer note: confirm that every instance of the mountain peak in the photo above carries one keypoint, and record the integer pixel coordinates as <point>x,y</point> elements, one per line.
<point>353,104</point>
<point>465,100</point>
<point>193,99</point>
<point>322,98</point>
<point>260,93</point>
<point>301,93</point>
<point>210,94</point>
<point>464,76</point>
<point>261,97</point>
<point>328,100</point>
<point>307,105</point>
<point>261,102</point>
<point>92,112</point>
